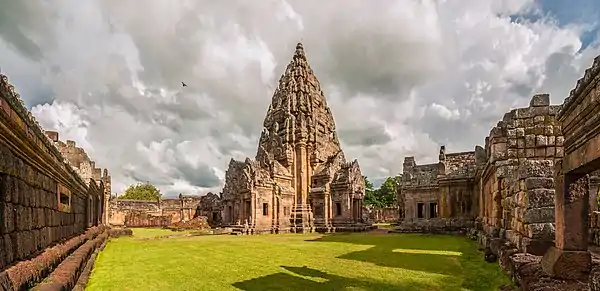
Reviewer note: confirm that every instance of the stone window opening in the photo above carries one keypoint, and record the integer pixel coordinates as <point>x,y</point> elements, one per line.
<point>338,208</point>
<point>64,199</point>
<point>285,210</point>
<point>265,209</point>
<point>420,210</point>
<point>433,207</point>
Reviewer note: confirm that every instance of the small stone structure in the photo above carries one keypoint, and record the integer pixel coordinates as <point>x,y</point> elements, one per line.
<point>52,202</point>
<point>300,180</point>
<point>210,206</point>
<point>438,196</point>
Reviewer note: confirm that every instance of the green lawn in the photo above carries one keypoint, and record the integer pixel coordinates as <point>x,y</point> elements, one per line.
<point>357,261</point>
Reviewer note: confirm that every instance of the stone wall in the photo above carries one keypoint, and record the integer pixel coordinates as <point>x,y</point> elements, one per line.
<point>384,215</point>
<point>140,219</point>
<point>43,199</point>
<point>528,207</point>
<point>142,213</point>
<point>516,196</point>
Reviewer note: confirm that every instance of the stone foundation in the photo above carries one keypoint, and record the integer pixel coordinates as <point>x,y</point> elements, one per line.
<point>526,272</point>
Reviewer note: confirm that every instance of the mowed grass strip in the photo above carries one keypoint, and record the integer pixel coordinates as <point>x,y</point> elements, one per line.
<point>356,261</point>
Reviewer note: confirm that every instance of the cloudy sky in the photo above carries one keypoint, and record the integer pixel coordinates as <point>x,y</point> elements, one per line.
<point>401,77</point>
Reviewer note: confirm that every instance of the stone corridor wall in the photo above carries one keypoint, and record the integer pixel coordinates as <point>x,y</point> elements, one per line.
<point>43,199</point>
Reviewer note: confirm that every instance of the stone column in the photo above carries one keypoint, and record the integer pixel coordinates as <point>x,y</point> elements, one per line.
<point>252,210</point>
<point>569,258</point>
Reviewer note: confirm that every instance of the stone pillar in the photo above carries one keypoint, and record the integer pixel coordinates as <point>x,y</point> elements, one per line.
<point>302,215</point>
<point>252,210</point>
<point>569,258</point>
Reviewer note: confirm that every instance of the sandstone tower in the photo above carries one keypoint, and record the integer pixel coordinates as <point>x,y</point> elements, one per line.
<point>300,180</point>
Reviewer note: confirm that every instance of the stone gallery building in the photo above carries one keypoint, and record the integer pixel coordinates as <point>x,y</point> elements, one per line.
<point>300,180</point>
<point>443,189</point>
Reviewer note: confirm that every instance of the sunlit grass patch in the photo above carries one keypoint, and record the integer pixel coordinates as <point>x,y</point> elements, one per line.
<point>430,252</point>
<point>356,261</point>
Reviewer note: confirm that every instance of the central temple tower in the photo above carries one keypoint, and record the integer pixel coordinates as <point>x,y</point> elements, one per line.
<point>300,171</point>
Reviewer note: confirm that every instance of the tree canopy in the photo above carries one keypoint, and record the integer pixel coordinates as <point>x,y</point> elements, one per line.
<point>384,196</point>
<point>142,191</point>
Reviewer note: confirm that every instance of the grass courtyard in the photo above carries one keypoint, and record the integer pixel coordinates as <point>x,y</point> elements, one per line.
<point>355,261</point>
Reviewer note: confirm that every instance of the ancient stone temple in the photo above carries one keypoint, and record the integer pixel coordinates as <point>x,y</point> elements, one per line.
<point>300,180</point>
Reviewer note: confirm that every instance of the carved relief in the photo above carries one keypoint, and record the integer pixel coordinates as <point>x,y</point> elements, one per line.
<point>578,189</point>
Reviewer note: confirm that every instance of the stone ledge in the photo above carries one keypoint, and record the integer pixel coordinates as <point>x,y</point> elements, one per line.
<point>87,270</point>
<point>24,274</point>
<point>67,273</point>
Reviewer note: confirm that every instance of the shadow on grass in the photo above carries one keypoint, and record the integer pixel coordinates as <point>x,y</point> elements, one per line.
<point>411,252</point>
<point>304,278</point>
<point>440,254</point>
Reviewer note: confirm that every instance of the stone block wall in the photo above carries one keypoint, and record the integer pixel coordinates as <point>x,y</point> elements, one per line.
<point>528,203</point>
<point>517,181</point>
<point>31,219</point>
<point>43,200</point>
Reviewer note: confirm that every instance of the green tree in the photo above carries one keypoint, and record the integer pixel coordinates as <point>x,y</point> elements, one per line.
<point>371,195</point>
<point>145,191</point>
<point>384,196</point>
<point>387,192</point>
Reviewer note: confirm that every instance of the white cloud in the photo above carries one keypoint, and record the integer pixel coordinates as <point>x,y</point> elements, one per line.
<point>401,77</point>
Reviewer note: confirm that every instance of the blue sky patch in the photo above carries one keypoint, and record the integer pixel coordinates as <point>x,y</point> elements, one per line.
<point>568,12</point>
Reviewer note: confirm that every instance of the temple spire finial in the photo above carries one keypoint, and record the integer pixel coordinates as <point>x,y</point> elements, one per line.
<point>299,48</point>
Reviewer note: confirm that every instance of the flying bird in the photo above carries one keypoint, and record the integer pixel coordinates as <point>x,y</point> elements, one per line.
<point>184,84</point>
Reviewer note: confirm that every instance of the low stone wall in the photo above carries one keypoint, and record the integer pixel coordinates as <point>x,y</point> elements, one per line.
<point>436,225</point>
<point>138,219</point>
<point>384,215</point>
<point>158,213</point>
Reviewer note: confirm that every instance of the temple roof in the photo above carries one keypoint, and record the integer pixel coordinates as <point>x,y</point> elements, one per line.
<point>298,110</point>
